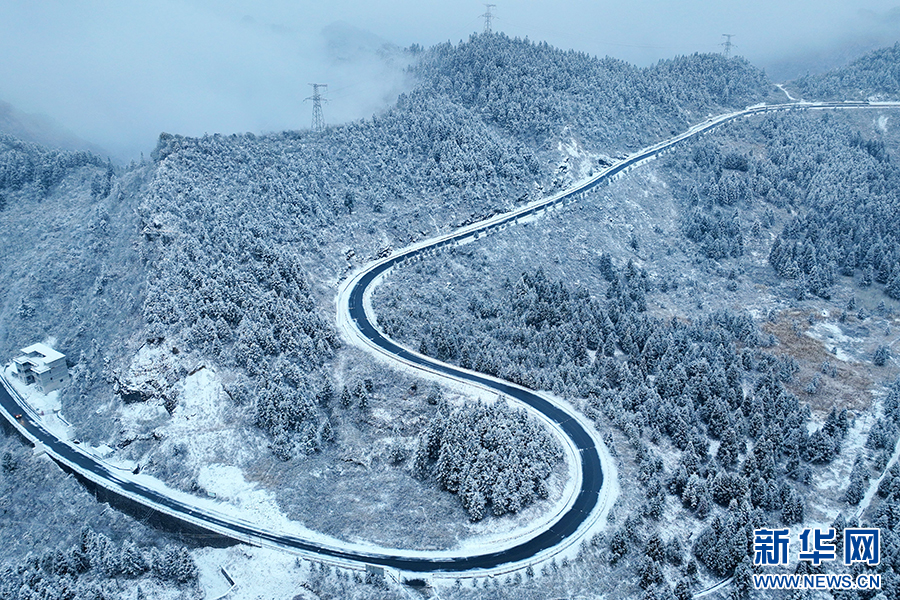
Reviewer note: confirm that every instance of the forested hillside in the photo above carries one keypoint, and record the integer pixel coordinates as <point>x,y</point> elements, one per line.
<point>842,187</point>
<point>738,417</point>
<point>67,224</point>
<point>665,384</point>
<point>241,232</point>
<point>70,271</point>
<point>491,456</point>
<point>243,235</point>
<point>97,567</point>
<point>232,244</point>
<point>225,252</point>
<point>534,91</point>
<point>23,164</point>
<point>875,75</point>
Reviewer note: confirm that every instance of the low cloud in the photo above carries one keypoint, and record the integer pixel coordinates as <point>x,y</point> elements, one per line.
<point>119,73</point>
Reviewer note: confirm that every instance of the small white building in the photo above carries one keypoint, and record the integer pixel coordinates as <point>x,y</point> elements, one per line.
<point>43,366</point>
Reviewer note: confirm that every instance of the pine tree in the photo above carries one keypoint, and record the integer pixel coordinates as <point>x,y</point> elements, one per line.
<point>654,548</point>
<point>9,462</point>
<point>730,448</point>
<point>649,572</point>
<point>859,478</point>
<point>792,507</point>
<point>133,562</point>
<point>619,544</point>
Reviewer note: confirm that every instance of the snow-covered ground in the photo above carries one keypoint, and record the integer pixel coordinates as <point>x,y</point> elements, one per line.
<point>876,479</point>
<point>781,87</point>
<point>262,574</point>
<point>215,454</point>
<point>198,420</point>
<point>833,337</point>
<point>832,479</point>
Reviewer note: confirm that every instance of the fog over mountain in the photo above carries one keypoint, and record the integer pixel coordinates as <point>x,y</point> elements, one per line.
<point>702,282</point>
<point>118,74</point>
<point>42,130</point>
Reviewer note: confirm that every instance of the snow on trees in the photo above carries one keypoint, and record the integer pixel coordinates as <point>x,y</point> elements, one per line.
<point>491,456</point>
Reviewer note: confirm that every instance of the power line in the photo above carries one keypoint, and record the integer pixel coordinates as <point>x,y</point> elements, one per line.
<point>513,22</point>
<point>318,119</point>
<point>488,17</point>
<point>727,43</point>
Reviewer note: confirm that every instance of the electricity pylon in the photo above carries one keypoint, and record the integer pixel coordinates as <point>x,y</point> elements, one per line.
<point>318,120</point>
<point>727,43</point>
<point>488,17</point>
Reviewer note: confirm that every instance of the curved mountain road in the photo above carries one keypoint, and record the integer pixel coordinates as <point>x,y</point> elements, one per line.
<point>583,509</point>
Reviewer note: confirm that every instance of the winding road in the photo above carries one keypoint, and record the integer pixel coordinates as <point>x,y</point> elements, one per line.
<point>592,496</point>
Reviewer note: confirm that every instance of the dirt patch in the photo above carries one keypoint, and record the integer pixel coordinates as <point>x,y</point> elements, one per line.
<point>843,384</point>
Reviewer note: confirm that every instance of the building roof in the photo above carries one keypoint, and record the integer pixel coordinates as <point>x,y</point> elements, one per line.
<point>44,352</point>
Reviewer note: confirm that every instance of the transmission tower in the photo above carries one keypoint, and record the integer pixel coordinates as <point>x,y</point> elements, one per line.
<point>318,121</point>
<point>727,43</point>
<point>488,17</point>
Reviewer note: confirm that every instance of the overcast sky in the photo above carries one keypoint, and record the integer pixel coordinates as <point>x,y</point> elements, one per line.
<point>118,73</point>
